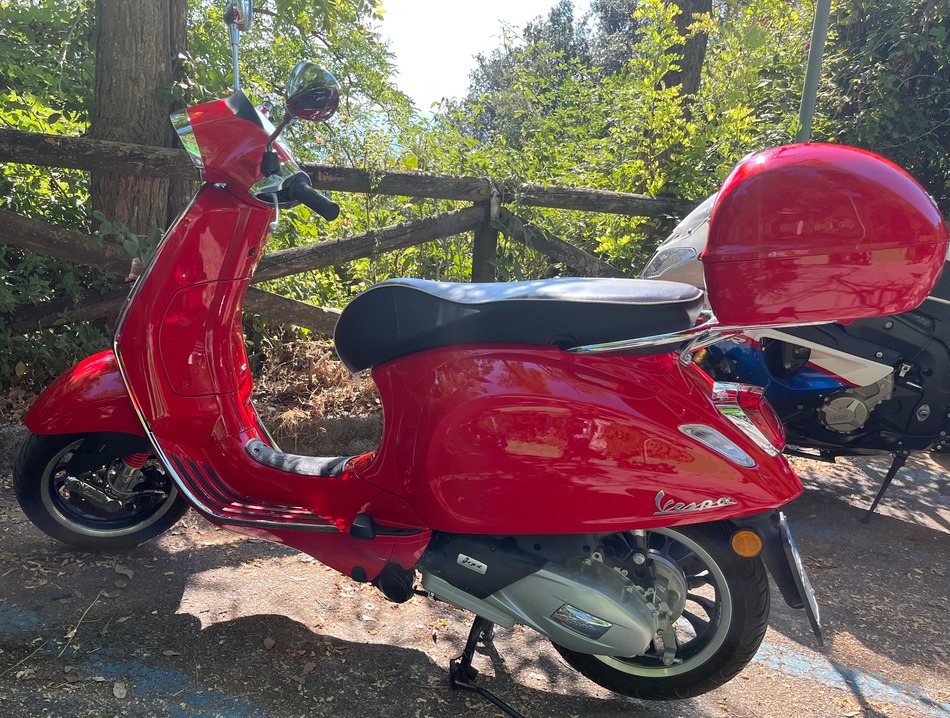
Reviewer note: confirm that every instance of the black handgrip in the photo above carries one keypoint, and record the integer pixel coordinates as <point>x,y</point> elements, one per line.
<point>301,191</point>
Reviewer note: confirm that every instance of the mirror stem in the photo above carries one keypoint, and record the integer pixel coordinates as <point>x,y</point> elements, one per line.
<point>287,119</point>
<point>235,42</point>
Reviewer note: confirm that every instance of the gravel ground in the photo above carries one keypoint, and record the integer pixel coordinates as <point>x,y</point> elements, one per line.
<point>202,623</point>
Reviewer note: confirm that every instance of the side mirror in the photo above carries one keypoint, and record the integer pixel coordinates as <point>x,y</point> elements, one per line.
<point>312,93</point>
<point>239,17</point>
<point>239,14</point>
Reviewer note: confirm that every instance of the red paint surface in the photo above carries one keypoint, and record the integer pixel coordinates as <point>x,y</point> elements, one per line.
<point>90,396</point>
<point>502,439</point>
<point>816,232</point>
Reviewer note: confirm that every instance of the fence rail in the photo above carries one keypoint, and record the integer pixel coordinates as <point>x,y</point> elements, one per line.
<point>122,158</point>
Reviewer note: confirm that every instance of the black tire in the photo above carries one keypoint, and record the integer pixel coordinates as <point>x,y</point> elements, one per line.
<point>732,592</point>
<point>41,475</point>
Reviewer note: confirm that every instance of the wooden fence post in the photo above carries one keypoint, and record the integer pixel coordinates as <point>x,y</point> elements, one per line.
<point>485,247</point>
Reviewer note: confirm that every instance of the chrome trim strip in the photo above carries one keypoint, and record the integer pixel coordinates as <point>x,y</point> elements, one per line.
<point>186,134</point>
<point>275,182</point>
<point>640,342</point>
<point>698,336</point>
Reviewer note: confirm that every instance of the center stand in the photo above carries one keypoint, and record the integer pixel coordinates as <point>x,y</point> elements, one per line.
<point>461,674</point>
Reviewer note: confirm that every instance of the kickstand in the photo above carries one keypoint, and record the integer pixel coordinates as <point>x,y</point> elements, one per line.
<point>461,674</point>
<point>899,458</point>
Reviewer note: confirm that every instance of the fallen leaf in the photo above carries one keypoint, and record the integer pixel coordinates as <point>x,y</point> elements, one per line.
<point>169,652</point>
<point>125,571</point>
<point>119,690</point>
<point>269,643</point>
<point>71,678</point>
<point>308,667</point>
<point>123,619</point>
<point>121,583</point>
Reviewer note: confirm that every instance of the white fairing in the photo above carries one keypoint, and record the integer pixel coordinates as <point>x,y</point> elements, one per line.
<point>852,369</point>
<point>677,259</point>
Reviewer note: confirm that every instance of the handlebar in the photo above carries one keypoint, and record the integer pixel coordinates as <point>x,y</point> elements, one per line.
<point>301,191</point>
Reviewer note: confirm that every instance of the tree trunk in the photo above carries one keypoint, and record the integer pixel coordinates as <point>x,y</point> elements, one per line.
<point>693,49</point>
<point>137,49</point>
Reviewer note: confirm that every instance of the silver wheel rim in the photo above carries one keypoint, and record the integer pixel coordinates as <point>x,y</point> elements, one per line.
<point>50,485</point>
<point>719,613</point>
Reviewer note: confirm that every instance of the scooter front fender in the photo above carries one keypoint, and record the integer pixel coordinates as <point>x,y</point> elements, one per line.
<point>90,396</point>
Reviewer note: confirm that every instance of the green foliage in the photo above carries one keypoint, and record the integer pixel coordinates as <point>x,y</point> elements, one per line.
<point>567,100</point>
<point>45,75</point>
<point>543,113</point>
<point>46,67</point>
<point>888,86</point>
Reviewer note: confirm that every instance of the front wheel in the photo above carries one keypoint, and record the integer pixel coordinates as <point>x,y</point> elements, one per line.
<point>718,623</point>
<point>68,486</point>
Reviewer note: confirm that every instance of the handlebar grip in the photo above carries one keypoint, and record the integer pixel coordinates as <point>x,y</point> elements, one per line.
<point>302,192</point>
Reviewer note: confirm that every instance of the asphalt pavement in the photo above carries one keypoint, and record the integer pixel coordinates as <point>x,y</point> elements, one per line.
<point>201,623</point>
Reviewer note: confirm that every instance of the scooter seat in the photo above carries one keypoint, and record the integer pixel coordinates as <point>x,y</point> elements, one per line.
<point>403,316</point>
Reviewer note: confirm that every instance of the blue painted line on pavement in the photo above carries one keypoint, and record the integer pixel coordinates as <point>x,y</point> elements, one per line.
<point>172,687</point>
<point>852,680</point>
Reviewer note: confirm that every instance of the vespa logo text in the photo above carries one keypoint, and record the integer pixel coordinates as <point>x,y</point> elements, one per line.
<point>472,564</point>
<point>672,506</point>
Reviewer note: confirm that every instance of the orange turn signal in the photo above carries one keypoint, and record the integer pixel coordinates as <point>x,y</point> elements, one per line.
<point>747,543</point>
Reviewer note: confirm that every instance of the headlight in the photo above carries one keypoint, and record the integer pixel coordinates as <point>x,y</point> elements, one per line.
<point>666,260</point>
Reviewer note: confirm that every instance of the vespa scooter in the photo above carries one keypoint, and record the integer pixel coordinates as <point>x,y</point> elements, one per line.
<point>550,456</point>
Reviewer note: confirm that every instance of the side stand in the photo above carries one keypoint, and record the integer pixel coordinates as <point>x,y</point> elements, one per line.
<point>899,458</point>
<point>461,674</point>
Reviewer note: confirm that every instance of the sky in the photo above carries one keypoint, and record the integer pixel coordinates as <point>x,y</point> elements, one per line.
<point>435,41</point>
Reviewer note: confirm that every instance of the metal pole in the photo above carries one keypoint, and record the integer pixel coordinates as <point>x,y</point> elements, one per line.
<point>235,36</point>
<point>819,33</point>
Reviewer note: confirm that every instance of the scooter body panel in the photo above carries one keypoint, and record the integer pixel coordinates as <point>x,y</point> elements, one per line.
<point>507,439</point>
<point>89,397</point>
<point>193,393</point>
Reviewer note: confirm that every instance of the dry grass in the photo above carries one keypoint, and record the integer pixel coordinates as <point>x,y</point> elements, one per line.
<point>304,380</point>
<point>300,381</point>
<point>13,405</point>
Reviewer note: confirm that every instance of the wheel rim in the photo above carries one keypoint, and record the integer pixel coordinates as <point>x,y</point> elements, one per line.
<point>80,515</point>
<point>701,627</point>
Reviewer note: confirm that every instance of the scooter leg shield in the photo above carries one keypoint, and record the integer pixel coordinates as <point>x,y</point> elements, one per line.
<point>89,397</point>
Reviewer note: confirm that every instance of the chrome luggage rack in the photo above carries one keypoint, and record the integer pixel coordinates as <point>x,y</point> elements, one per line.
<point>705,332</point>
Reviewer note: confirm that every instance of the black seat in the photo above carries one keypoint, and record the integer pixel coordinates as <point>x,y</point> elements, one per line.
<point>403,316</point>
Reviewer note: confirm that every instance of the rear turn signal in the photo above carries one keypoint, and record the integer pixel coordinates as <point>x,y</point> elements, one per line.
<point>748,409</point>
<point>746,542</point>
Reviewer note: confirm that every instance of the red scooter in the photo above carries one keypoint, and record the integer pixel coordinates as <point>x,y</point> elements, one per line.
<point>550,454</point>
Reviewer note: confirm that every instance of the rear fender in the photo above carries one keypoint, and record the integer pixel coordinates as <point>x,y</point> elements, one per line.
<point>89,397</point>
<point>773,554</point>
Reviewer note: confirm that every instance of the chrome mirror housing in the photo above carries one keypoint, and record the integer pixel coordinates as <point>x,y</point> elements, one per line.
<point>312,93</point>
<point>239,15</point>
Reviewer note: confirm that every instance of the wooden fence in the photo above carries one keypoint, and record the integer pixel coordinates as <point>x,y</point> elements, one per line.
<point>482,218</point>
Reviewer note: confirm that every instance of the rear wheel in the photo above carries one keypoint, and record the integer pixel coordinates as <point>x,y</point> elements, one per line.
<point>69,486</point>
<point>718,622</point>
